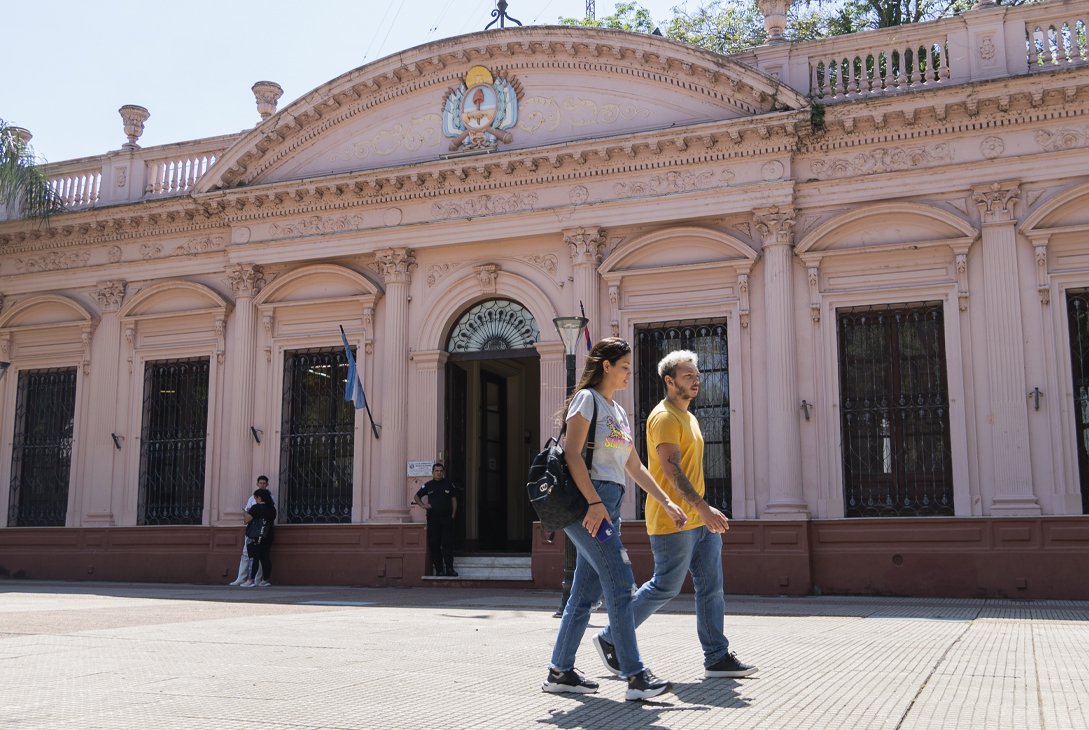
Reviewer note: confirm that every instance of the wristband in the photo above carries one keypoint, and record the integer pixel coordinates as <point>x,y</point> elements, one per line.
<point>591,504</point>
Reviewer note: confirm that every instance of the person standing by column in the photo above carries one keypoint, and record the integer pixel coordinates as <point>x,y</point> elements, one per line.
<point>441,507</point>
<point>675,454</point>
<point>244,563</point>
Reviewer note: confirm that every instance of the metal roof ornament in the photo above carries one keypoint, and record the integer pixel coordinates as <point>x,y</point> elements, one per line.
<point>500,13</point>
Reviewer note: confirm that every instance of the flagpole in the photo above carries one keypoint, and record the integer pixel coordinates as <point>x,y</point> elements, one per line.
<point>366,401</point>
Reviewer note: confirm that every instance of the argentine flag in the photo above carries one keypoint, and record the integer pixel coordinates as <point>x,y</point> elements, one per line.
<point>354,388</point>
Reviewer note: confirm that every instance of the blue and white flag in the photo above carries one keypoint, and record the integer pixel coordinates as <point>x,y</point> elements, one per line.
<point>353,389</point>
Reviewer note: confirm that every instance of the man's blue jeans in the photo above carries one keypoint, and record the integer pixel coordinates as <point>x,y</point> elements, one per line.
<point>602,567</point>
<point>697,550</point>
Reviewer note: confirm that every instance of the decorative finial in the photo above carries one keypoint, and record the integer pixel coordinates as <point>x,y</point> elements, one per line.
<point>23,134</point>
<point>500,14</point>
<point>267,93</point>
<point>134,118</point>
<point>775,18</point>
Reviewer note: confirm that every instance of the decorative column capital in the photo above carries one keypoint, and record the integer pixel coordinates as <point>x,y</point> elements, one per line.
<point>776,225</point>
<point>996,201</point>
<point>487,274</point>
<point>586,244</point>
<point>396,264</point>
<point>110,295</point>
<point>245,280</point>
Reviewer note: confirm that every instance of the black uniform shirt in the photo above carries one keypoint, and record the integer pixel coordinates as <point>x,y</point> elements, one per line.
<point>439,493</point>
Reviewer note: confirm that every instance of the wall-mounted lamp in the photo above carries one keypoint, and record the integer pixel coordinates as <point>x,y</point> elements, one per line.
<point>1035,394</point>
<point>116,439</point>
<point>805,408</point>
<point>256,431</point>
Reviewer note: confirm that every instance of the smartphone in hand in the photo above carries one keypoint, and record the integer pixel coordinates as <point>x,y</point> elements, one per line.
<point>605,531</point>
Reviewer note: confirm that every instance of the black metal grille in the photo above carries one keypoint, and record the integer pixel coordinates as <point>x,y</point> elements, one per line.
<point>894,411</point>
<point>1077,312</point>
<point>317,439</point>
<point>173,442</point>
<point>497,324</point>
<point>41,454</point>
<point>711,407</point>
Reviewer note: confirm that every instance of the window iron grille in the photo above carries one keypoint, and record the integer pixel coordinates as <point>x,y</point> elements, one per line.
<point>497,324</point>
<point>894,411</point>
<point>1077,312</point>
<point>173,442</point>
<point>41,455</point>
<point>711,407</point>
<point>317,442</point>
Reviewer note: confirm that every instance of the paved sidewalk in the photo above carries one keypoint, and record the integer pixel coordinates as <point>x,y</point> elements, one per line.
<point>92,656</point>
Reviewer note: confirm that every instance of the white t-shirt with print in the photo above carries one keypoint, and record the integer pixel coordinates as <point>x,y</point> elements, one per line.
<point>612,442</point>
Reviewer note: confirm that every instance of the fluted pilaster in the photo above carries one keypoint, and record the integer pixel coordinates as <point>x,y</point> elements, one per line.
<point>396,265</point>
<point>246,281</point>
<point>553,387</point>
<point>586,246</point>
<point>776,226</point>
<point>1005,351</point>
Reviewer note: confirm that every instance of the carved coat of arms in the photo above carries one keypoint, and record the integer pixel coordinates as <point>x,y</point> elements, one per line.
<point>478,113</point>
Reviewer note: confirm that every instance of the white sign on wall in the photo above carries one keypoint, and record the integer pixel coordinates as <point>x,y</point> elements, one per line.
<point>419,468</point>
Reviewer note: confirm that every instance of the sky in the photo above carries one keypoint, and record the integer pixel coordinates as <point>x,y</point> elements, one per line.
<point>74,63</point>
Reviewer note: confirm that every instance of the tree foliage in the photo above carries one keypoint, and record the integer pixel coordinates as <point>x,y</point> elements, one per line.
<point>23,185</point>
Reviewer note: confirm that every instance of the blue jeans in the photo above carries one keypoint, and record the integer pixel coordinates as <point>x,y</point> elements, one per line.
<point>602,567</point>
<point>697,550</point>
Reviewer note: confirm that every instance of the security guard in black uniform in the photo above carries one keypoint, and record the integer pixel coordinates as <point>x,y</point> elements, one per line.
<point>441,507</point>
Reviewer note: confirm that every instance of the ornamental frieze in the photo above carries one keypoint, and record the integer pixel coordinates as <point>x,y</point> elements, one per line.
<point>1065,138</point>
<point>544,113</point>
<point>195,245</point>
<point>672,182</point>
<point>483,205</point>
<point>53,261</point>
<point>882,160</point>
<point>316,224</point>
<point>426,131</point>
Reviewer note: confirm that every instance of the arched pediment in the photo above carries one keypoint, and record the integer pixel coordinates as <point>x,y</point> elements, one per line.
<point>46,310</point>
<point>688,245</point>
<point>461,294</point>
<point>1068,209</point>
<point>573,83</point>
<point>167,298</point>
<point>886,225</point>
<point>323,281</point>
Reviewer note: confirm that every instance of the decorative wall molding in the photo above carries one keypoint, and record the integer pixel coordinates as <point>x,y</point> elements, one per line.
<point>114,254</point>
<point>814,293</point>
<point>487,274</point>
<point>672,182</point>
<point>483,205</point>
<point>396,264</point>
<point>578,195</point>
<point>962,281</point>
<point>882,160</point>
<point>546,262</point>
<point>53,261</point>
<point>316,224</point>
<point>245,280</point>
<point>1064,138</point>
<point>196,245</point>
<point>586,244</point>
<point>996,201</point>
<point>434,271</point>
<point>776,225</point>
<point>424,131</point>
<point>543,112</point>
<point>992,147</point>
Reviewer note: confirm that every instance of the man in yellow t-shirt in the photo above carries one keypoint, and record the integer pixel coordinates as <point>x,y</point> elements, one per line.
<point>675,453</point>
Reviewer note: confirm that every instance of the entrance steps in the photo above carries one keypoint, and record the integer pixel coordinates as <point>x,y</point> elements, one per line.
<point>485,567</point>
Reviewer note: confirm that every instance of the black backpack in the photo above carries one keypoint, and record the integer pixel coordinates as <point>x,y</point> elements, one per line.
<point>552,491</point>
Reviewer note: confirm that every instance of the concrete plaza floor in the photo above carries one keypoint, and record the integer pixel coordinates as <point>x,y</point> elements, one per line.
<point>106,655</point>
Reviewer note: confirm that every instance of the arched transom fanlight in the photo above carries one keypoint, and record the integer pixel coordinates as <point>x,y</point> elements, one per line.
<point>497,324</point>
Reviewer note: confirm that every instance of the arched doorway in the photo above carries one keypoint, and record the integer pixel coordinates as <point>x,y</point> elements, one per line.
<point>493,380</point>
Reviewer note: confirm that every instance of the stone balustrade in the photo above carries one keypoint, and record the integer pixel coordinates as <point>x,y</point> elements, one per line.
<point>908,59</point>
<point>1055,34</point>
<point>175,175</point>
<point>77,185</point>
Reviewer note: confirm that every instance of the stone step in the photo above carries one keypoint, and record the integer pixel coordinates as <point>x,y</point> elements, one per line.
<point>491,568</point>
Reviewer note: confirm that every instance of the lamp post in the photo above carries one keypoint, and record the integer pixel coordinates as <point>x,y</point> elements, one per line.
<point>570,329</point>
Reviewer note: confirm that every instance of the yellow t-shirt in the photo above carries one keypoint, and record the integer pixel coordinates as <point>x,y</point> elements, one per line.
<point>670,425</point>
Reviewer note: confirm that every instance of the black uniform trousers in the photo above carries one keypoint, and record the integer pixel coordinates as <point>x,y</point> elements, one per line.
<point>440,538</point>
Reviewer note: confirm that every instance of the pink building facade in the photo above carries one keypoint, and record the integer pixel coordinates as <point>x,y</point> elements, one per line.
<point>876,242</point>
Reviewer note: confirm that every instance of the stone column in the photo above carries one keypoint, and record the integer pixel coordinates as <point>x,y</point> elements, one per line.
<point>99,500</point>
<point>784,434</point>
<point>396,265</point>
<point>1013,493</point>
<point>553,387</point>
<point>245,280</point>
<point>586,246</point>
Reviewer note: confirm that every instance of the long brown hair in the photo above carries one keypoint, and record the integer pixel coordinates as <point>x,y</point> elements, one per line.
<point>610,349</point>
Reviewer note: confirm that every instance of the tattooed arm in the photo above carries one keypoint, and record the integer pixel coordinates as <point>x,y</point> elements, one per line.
<point>669,456</point>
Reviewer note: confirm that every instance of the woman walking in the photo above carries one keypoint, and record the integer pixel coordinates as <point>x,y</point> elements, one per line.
<point>264,509</point>
<point>603,567</point>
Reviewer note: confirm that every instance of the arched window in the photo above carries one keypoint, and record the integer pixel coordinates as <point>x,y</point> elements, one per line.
<point>497,324</point>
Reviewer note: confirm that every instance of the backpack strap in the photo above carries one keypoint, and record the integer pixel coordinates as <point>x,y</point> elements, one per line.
<point>590,435</point>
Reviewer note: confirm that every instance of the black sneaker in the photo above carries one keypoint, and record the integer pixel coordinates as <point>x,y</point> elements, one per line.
<point>607,652</point>
<point>569,681</point>
<point>645,685</point>
<point>730,666</point>
<point>439,572</point>
<point>451,573</point>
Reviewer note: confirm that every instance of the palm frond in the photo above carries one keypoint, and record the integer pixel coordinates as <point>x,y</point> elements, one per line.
<point>24,186</point>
